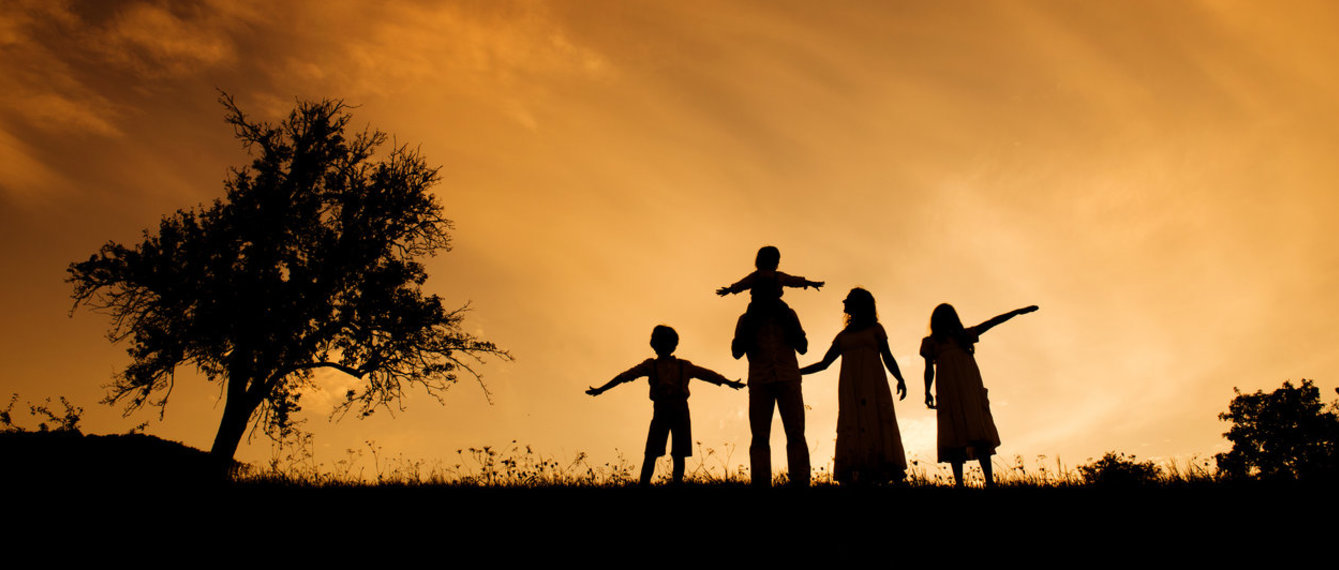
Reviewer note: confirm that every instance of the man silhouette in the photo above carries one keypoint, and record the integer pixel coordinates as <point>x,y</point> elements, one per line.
<point>771,339</point>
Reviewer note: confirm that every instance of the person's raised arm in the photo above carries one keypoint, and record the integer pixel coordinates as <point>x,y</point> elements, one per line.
<point>827,361</point>
<point>990,324</point>
<point>891,363</point>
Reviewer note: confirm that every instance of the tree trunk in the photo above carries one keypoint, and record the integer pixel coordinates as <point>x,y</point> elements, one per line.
<point>236,416</point>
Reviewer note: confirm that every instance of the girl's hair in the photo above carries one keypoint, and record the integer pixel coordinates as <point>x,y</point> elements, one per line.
<point>945,325</point>
<point>860,311</point>
<point>769,258</point>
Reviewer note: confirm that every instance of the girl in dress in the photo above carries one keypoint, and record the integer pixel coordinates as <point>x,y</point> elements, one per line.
<point>966,428</point>
<point>869,446</point>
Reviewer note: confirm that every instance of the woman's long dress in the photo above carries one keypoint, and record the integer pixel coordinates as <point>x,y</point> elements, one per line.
<point>966,428</point>
<point>868,441</point>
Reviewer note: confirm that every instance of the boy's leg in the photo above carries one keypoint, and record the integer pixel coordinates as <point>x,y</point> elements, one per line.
<point>681,430</point>
<point>656,438</point>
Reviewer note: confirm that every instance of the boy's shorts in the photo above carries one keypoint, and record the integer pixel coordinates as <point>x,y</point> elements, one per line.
<point>670,415</point>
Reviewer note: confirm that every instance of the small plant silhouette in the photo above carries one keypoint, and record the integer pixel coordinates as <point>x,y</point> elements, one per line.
<point>1119,469</point>
<point>66,420</point>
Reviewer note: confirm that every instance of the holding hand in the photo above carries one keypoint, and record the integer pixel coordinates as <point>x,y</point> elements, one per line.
<point>723,291</point>
<point>817,285</point>
<point>735,384</point>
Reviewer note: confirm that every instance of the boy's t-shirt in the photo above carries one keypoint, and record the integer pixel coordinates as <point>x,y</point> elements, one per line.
<point>668,377</point>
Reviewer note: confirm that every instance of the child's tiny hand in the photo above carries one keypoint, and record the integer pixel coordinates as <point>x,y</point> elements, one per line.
<point>593,391</point>
<point>817,285</point>
<point>723,291</point>
<point>736,384</point>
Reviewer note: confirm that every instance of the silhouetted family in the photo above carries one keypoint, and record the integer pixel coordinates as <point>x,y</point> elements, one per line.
<point>869,445</point>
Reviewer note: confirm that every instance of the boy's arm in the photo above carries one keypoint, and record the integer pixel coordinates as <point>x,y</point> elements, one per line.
<point>632,374</point>
<point>695,371</point>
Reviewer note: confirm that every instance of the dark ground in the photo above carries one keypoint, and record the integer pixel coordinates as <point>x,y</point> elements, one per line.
<point>135,492</point>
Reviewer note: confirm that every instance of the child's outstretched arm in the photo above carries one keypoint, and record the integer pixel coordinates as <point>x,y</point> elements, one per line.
<point>796,281</point>
<point>738,287</point>
<point>827,361</point>
<point>632,374</point>
<point>990,324</point>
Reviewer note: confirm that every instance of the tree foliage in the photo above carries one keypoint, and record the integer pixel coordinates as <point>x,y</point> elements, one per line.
<point>1285,434</point>
<point>309,261</point>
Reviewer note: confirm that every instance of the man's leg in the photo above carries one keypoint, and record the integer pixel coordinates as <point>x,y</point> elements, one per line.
<point>648,470</point>
<point>761,403</point>
<point>790,400</point>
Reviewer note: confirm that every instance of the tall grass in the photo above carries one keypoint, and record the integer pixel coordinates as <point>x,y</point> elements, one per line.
<point>520,466</point>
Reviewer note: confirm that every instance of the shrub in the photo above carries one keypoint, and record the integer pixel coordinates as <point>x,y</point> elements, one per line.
<point>1118,469</point>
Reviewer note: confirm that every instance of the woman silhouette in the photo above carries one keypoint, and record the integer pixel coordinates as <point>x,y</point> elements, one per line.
<point>966,428</point>
<point>869,446</point>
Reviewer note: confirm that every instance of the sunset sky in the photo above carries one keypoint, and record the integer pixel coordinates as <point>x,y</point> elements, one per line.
<point>1158,176</point>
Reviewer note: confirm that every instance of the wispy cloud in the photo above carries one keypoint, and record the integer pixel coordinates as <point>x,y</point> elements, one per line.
<point>23,177</point>
<point>505,52</point>
<point>153,41</point>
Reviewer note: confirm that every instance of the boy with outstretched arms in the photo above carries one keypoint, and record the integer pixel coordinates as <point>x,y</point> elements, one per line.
<point>668,377</point>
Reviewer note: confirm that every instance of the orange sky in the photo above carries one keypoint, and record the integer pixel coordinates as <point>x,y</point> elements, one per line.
<point>1157,176</point>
